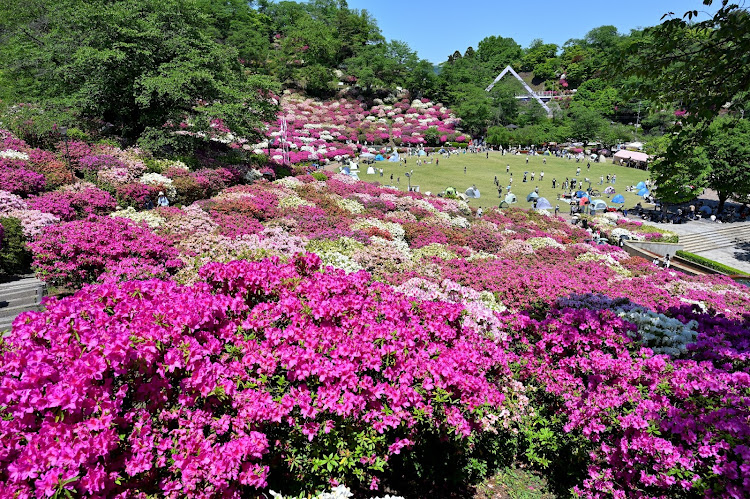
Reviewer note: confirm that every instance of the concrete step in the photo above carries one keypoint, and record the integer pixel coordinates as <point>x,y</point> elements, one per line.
<point>13,312</point>
<point>20,295</point>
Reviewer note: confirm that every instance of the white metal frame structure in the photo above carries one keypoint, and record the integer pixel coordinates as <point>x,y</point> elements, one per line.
<point>533,94</point>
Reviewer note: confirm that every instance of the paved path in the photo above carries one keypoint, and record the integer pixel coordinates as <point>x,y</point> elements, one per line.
<point>17,297</point>
<point>726,243</point>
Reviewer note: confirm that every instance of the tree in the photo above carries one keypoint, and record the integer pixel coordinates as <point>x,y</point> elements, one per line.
<point>716,157</point>
<point>136,64</point>
<point>586,124</point>
<point>702,65</point>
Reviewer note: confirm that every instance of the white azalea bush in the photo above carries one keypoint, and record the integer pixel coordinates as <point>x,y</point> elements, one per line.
<point>152,219</point>
<point>662,334</point>
<point>161,181</point>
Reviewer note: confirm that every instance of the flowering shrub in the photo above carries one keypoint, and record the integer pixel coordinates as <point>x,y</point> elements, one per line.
<point>154,378</point>
<point>21,181</point>
<point>661,333</point>
<point>68,205</point>
<point>78,252</point>
<point>135,194</point>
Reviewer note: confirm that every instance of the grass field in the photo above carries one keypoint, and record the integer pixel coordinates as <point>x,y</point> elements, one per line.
<point>481,171</point>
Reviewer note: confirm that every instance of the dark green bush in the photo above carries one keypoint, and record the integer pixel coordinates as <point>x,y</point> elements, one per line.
<point>15,258</point>
<point>711,264</point>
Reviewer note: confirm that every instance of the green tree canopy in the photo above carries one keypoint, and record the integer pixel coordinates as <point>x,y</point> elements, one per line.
<point>716,157</point>
<point>136,64</point>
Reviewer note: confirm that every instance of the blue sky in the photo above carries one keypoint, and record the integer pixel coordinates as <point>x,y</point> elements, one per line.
<point>437,28</point>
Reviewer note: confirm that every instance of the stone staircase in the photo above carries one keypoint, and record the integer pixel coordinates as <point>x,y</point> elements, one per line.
<point>17,297</point>
<point>727,236</point>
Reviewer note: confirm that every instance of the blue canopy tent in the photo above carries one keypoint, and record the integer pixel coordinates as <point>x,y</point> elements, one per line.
<point>511,198</point>
<point>580,194</point>
<point>598,205</point>
<point>394,158</point>
<point>532,196</point>
<point>421,153</point>
<point>619,199</point>
<point>347,170</point>
<point>640,185</point>
<point>379,157</point>
<point>473,192</point>
<point>643,192</point>
<point>543,204</point>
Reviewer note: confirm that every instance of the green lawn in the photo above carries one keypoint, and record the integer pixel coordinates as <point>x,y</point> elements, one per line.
<point>481,172</point>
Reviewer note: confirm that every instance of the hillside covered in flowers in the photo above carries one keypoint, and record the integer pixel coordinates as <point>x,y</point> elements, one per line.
<point>320,130</point>
<point>315,330</point>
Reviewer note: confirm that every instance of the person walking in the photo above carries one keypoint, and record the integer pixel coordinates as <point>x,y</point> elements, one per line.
<point>507,168</point>
<point>557,209</point>
<point>488,157</point>
<point>541,176</point>
<point>507,188</point>
<point>524,177</point>
<point>544,160</point>
<point>479,212</point>
<point>511,179</point>
<point>391,177</point>
<point>537,189</point>
<point>496,180</point>
<point>437,161</point>
<point>601,179</point>
<point>527,160</point>
<point>464,170</point>
<point>578,171</point>
<point>554,183</point>
<point>667,261</point>
<point>588,165</point>
<point>532,176</point>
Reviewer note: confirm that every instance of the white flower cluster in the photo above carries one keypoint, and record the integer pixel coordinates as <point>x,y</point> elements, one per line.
<point>290,182</point>
<point>11,154</point>
<point>152,219</point>
<point>393,228</point>
<point>544,242</point>
<point>350,205</point>
<point>293,201</point>
<point>165,164</point>
<point>160,180</point>
<point>592,256</point>
<point>460,222</point>
<point>662,334</point>
<point>432,250</point>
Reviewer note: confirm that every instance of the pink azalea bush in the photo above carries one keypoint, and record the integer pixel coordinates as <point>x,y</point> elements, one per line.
<point>21,181</point>
<point>152,388</point>
<point>78,252</point>
<point>69,205</point>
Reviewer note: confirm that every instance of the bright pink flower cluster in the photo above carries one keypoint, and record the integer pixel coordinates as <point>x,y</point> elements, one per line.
<point>74,253</point>
<point>69,205</point>
<point>156,389</point>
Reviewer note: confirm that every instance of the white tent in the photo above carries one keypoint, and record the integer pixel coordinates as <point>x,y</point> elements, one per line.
<point>370,170</point>
<point>394,158</point>
<point>624,155</point>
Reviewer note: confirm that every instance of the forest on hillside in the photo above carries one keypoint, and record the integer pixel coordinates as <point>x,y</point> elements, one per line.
<point>169,74</point>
